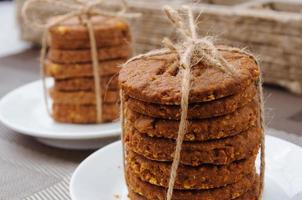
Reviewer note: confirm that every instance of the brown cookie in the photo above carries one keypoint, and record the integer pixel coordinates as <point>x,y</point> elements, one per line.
<point>157,79</point>
<point>196,111</point>
<point>83,56</point>
<point>252,194</point>
<point>64,71</point>
<point>218,152</point>
<point>82,97</point>
<point>153,192</point>
<point>203,177</point>
<point>87,84</point>
<point>83,114</point>
<point>198,130</point>
<point>85,44</point>
<point>72,34</point>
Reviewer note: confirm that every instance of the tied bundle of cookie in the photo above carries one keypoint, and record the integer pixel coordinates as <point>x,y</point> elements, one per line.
<point>191,121</point>
<point>85,49</point>
<point>69,63</point>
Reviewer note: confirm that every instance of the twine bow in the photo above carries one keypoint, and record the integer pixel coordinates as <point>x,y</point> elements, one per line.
<point>191,51</point>
<point>73,8</point>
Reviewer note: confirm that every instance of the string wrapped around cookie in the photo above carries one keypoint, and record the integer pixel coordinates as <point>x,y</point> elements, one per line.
<point>73,8</point>
<point>191,51</point>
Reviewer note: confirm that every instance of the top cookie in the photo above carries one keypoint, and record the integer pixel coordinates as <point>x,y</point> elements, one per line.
<point>157,79</point>
<point>73,34</point>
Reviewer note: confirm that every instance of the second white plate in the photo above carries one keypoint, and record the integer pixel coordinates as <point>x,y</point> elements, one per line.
<point>23,110</point>
<point>101,176</point>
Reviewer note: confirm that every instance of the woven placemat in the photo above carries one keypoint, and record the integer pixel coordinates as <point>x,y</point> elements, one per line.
<point>31,170</point>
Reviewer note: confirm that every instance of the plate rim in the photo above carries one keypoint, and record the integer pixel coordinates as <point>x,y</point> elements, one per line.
<point>46,134</point>
<point>83,163</point>
<point>114,144</point>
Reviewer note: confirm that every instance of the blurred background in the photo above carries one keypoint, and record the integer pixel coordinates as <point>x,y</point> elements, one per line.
<point>270,29</point>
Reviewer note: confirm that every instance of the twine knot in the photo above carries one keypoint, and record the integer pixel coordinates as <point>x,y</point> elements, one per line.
<point>193,50</point>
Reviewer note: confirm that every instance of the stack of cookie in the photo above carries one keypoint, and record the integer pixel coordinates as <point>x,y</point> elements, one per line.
<point>69,62</point>
<point>223,135</point>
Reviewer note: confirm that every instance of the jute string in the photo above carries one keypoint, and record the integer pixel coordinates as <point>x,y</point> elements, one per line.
<point>74,8</point>
<point>191,51</point>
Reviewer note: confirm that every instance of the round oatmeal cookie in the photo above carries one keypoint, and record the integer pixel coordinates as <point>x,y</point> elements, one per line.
<point>198,130</point>
<point>83,114</point>
<point>72,34</point>
<point>196,111</point>
<point>82,97</point>
<point>251,194</point>
<point>84,55</point>
<point>218,152</point>
<point>157,79</point>
<point>65,71</point>
<point>202,177</point>
<point>153,192</point>
<point>86,84</point>
<point>85,44</point>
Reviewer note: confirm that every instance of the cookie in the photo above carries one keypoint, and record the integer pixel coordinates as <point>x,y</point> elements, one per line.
<point>198,130</point>
<point>196,111</point>
<point>83,114</point>
<point>203,177</point>
<point>85,44</point>
<point>218,152</point>
<point>82,97</point>
<point>64,71</point>
<point>252,194</point>
<point>82,56</point>
<point>153,192</point>
<point>87,84</point>
<point>157,79</point>
<point>104,27</point>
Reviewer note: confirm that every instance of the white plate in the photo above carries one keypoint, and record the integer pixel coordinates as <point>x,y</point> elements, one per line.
<point>100,176</point>
<point>23,110</point>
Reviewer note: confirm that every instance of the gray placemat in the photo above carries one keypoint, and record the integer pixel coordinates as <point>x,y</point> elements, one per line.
<point>32,170</point>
